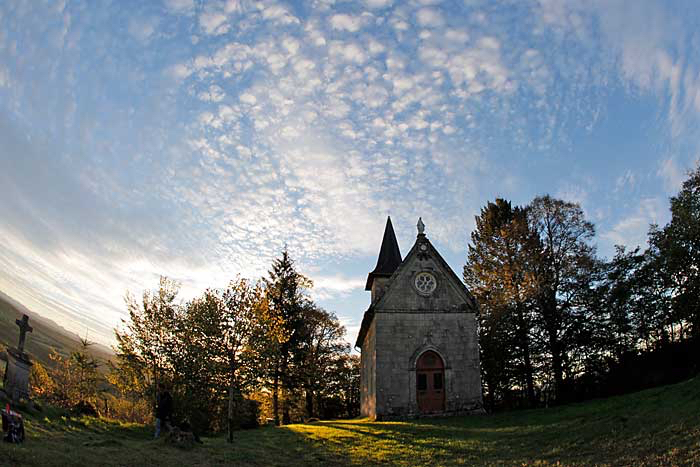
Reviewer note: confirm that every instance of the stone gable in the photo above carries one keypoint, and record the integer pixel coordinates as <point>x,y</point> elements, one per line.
<point>400,293</point>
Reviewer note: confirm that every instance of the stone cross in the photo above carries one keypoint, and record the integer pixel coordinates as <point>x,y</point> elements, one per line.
<point>24,327</point>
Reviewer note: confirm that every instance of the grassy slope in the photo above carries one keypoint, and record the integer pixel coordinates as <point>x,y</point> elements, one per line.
<point>46,335</point>
<point>655,427</point>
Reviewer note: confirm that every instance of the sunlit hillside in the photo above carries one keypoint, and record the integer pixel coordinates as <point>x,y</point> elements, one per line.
<point>46,334</point>
<point>660,426</point>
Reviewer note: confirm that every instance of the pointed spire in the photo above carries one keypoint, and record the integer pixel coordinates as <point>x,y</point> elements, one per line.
<point>389,256</point>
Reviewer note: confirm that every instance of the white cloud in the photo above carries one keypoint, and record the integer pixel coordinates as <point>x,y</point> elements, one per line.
<point>377,4</point>
<point>337,285</point>
<point>347,51</point>
<point>180,6</point>
<point>345,22</point>
<point>291,45</point>
<point>270,129</point>
<point>4,77</point>
<point>429,17</point>
<point>213,94</point>
<point>142,28</point>
<point>180,71</point>
<point>631,231</point>
<point>671,174</point>
<point>625,181</point>
<point>278,14</point>
<point>213,23</point>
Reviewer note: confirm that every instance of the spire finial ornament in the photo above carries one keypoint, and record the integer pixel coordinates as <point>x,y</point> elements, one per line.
<point>421,226</point>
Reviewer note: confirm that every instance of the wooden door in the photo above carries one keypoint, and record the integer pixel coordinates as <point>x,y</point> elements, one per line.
<point>430,383</point>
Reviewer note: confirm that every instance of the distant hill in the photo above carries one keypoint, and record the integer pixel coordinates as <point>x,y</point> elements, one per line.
<point>46,335</point>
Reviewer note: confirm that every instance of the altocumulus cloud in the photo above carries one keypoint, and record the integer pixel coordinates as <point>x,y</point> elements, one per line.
<point>196,139</point>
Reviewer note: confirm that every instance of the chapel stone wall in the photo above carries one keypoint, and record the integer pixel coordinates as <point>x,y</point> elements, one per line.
<point>402,337</point>
<point>368,374</point>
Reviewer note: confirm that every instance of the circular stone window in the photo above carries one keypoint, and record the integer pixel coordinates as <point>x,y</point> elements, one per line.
<point>425,283</point>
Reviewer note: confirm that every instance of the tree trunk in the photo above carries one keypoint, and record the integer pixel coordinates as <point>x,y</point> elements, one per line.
<point>549,312</point>
<point>155,386</point>
<point>557,368</point>
<point>285,377</point>
<point>286,419</point>
<point>309,403</point>
<point>525,345</point>
<point>231,405</point>
<point>275,397</point>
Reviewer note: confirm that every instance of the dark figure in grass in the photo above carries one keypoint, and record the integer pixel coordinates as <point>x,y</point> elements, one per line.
<point>164,409</point>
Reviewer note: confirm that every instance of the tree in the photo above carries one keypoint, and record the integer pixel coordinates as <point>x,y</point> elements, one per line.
<point>219,350</point>
<point>679,252</point>
<point>74,382</point>
<point>618,293</point>
<point>565,271</point>
<point>41,384</point>
<point>339,395</point>
<point>242,303</point>
<point>652,315</point>
<point>323,342</point>
<point>128,375</point>
<point>499,273</point>
<point>84,367</point>
<point>146,339</point>
<point>64,392</point>
<point>197,363</point>
<point>287,301</point>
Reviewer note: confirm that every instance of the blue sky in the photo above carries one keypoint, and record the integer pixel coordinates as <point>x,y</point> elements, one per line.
<point>195,139</point>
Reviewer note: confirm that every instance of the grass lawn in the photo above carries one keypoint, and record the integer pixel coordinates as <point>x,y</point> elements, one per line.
<point>655,427</point>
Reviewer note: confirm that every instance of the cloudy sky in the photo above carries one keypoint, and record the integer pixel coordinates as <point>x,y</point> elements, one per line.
<point>195,139</point>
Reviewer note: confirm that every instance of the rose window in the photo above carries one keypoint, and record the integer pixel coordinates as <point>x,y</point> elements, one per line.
<point>425,283</point>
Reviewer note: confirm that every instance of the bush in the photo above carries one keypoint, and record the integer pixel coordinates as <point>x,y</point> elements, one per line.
<point>119,408</point>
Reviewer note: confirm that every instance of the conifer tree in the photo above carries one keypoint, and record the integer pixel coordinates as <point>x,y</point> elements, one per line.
<point>286,301</point>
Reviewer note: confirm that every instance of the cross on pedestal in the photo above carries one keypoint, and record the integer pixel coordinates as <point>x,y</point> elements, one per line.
<point>24,327</point>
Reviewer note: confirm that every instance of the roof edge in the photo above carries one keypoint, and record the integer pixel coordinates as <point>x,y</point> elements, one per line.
<point>367,318</point>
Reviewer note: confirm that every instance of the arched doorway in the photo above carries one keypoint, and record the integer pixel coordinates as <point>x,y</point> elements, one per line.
<point>430,383</point>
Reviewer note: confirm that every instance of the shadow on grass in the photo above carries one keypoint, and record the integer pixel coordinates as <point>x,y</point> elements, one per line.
<point>652,428</point>
<point>275,447</point>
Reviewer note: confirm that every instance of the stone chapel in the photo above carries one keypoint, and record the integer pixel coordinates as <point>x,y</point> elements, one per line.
<point>418,339</point>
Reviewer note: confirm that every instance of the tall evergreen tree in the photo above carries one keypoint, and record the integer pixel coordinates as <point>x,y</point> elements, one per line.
<point>285,293</point>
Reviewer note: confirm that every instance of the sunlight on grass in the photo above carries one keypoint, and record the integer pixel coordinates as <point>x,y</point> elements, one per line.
<point>656,427</point>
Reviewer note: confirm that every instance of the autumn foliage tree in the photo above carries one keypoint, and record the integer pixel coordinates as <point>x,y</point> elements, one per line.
<point>499,272</point>
<point>223,352</point>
